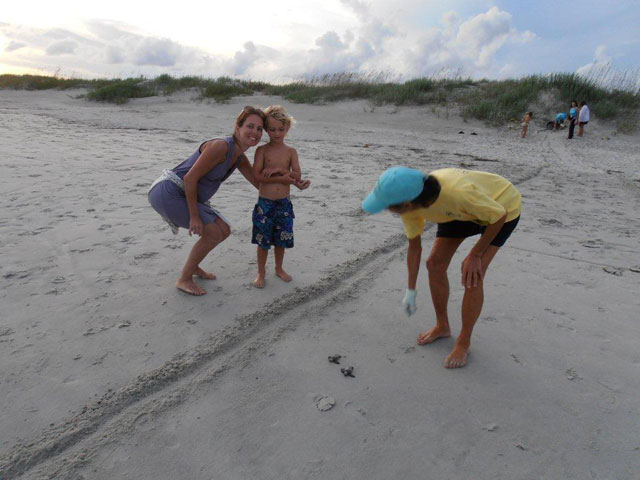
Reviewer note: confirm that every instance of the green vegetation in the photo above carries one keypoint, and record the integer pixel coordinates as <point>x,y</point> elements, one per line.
<point>498,101</point>
<point>493,101</point>
<point>121,91</point>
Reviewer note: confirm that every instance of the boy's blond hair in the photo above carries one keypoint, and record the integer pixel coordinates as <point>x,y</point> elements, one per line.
<point>278,112</point>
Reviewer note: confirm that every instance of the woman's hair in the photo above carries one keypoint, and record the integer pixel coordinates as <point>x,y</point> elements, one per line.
<point>430,192</point>
<point>249,110</point>
<point>574,101</point>
<point>278,112</point>
<point>530,114</point>
<point>583,103</point>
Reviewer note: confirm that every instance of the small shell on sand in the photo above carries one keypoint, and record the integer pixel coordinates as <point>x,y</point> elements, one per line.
<point>324,403</point>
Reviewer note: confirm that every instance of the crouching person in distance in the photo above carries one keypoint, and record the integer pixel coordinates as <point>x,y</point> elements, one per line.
<point>463,203</point>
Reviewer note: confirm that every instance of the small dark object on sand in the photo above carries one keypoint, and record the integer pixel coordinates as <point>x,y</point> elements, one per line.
<point>348,372</point>
<point>335,359</point>
<point>473,133</point>
<point>460,131</point>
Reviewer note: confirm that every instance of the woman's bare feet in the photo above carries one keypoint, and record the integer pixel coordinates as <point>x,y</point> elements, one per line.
<point>259,281</point>
<point>206,275</point>
<point>457,358</point>
<point>283,275</point>
<point>433,334</point>
<point>190,287</point>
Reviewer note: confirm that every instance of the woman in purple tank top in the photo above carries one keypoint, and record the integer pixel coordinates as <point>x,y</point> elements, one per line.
<point>181,195</point>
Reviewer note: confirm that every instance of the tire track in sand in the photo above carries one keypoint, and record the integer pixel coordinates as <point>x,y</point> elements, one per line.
<point>63,448</point>
<point>240,338</point>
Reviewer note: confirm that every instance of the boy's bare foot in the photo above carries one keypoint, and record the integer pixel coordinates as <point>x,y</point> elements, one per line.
<point>284,275</point>
<point>206,275</point>
<point>457,358</point>
<point>433,334</point>
<point>259,281</point>
<point>190,287</point>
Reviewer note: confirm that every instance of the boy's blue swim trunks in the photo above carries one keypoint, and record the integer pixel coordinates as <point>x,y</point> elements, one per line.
<point>273,223</point>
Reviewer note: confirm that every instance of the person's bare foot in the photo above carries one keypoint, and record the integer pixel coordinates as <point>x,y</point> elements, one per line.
<point>432,335</point>
<point>190,287</point>
<point>259,281</point>
<point>457,358</point>
<point>284,275</point>
<point>206,275</point>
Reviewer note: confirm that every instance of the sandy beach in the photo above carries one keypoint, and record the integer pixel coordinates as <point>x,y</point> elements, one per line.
<point>108,371</point>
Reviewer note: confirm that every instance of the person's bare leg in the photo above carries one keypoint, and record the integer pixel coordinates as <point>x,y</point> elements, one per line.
<point>471,308</point>
<point>580,130</point>
<point>278,253</point>
<point>437,265</point>
<point>226,231</point>
<point>262,267</point>
<point>202,274</point>
<point>212,236</point>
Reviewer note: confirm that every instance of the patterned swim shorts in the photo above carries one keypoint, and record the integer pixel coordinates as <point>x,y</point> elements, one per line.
<point>273,223</point>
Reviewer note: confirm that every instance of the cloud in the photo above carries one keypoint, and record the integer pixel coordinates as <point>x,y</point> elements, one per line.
<point>62,47</point>
<point>13,46</point>
<point>600,60</point>
<point>330,41</point>
<point>160,52</point>
<point>464,46</point>
<point>482,36</point>
<point>374,39</point>
<point>361,9</point>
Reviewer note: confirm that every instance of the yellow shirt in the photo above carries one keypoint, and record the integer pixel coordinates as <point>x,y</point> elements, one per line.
<point>466,195</point>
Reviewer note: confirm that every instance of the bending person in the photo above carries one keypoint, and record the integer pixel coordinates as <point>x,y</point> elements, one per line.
<point>463,203</point>
<point>181,195</point>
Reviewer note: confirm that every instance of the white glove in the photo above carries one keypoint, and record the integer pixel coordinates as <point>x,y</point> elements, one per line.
<point>409,302</point>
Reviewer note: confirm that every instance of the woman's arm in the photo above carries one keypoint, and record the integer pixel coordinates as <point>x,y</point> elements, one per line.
<point>213,153</point>
<point>414,254</point>
<point>247,171</point>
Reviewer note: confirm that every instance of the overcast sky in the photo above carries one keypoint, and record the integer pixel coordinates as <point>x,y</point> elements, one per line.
<point>285,39</point>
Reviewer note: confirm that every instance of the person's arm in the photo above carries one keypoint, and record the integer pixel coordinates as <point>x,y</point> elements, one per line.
<point>472,264</point>
<point>247,171</point>
<point>296,172</point>
<point>414,254</point>
<point>213,153</point>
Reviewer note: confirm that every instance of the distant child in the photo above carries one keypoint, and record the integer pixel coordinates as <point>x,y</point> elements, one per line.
<point>560,118</point>
<point>525,123</point>
<point>583,117</point>
<point>275,168</point>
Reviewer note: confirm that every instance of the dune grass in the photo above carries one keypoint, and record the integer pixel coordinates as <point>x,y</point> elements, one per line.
<point>492,101</point>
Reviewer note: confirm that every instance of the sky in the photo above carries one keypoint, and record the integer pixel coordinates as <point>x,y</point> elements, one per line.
<point>290,39</point>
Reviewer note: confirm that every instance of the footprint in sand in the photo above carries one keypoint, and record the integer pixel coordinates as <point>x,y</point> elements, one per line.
<point>613,271</point>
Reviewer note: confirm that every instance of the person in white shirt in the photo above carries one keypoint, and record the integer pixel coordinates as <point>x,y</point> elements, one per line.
<point>583,118</point>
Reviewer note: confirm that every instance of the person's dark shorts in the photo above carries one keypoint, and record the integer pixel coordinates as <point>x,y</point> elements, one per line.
<point>582,124</point>
<point>273,223</point>
<point>459,229</point>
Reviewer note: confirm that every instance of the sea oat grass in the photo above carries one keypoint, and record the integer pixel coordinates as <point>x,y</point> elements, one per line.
<point>610,95</point>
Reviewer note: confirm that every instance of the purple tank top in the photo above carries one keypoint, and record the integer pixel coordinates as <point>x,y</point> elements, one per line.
<point>208,185</point>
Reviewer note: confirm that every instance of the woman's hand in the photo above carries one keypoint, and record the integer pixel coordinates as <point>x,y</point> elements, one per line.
<point>472,271</point>
<point>196,226</point>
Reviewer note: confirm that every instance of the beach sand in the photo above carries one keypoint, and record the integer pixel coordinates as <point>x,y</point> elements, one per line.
<point>107,371</point>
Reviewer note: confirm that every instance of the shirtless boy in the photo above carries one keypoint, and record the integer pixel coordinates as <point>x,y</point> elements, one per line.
<point>463,203</point>
<point>276,168</point>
